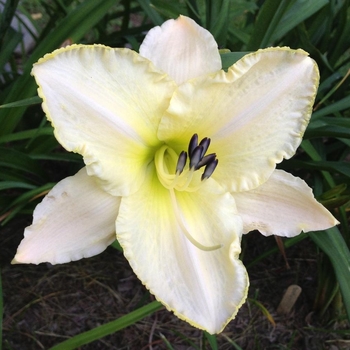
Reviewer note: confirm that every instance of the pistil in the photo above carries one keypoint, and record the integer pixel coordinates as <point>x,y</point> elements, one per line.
<point>184,229</point>
<point>185,179</point>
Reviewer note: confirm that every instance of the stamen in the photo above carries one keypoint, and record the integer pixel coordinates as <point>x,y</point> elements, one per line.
<point>196,157</point>
<point>185,231</point>
<point>192,145</point>
<point>189,177</point>
<point>181,162</point>
<point>205,160</point>
<point>209,169</point>
<point>205,144</point>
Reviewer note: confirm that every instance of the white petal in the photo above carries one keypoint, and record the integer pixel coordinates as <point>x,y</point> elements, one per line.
<point>105,104</point>
<point>182,48</point>
<point>284,205</point>
<point>204,288</point>
<point>75,220</point>
<point>255,114</point>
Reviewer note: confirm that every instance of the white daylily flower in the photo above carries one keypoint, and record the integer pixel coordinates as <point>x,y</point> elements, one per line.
<point>136,124</point>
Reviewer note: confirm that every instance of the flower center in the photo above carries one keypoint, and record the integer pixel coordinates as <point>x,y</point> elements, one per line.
<point>184,178</point>
<point>174,175</point>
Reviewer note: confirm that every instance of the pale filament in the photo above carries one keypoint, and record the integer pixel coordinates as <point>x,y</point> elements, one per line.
<point>180,182</point>
<point>185,231</point>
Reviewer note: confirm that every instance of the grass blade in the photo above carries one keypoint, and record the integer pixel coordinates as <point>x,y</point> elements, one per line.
<point>73,26</point>
<point>108,328</point>
<point>166,341</point>
<point>8,12</point>
<point>229,58</point>
<point>211,340</point>
<point>150,12</point>
<point>27,134</point>
<point>8,47</point>
<point>333,244</point>
<point>333,108</point>
<point>217,20</point>
<point>299,11</point>
<point>26,102</point>
<point>268,19</point>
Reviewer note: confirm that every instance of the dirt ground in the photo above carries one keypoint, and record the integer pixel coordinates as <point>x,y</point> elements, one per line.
<point>45,304</point>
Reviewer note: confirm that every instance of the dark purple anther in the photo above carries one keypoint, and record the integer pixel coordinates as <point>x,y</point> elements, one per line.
<point>192,145</point>
<point>181,162</point>
<point>209,169</point>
